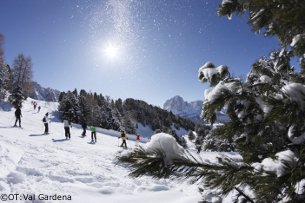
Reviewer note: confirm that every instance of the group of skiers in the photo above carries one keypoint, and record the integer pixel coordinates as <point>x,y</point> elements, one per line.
<point>67,125</point>
<point>45,119</point>
<point>35,105</point>
<point>92,129</point>
<point>93,135</point>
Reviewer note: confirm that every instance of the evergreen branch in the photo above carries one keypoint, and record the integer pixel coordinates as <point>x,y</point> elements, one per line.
<point>140,161</point>
<point>225,175</point>
<point>243,194</point>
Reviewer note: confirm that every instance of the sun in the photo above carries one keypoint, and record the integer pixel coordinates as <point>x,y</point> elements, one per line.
<point>111,51</point>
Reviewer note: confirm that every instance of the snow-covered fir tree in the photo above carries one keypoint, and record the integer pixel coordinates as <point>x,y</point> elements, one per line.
<point>4,80</point>
<point>84,107</point>
<point>266,111</point>
<point>115,116</point>
<point>17,97</point>
<point>127,124</point>
<point>4,71</point>
<point>69,106</point>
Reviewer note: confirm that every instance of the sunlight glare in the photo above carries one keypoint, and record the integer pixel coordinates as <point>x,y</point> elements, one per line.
<point>111,51</point>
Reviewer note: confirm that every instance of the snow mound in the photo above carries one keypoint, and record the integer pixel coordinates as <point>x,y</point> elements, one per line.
<point>167,144</point>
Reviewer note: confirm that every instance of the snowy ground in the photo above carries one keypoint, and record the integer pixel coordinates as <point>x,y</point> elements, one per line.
<point>32,163</point>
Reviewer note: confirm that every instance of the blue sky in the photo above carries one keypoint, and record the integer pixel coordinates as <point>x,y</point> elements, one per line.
<point>159,44</point>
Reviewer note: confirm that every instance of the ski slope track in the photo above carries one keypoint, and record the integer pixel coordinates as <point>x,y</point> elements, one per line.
<point>32,164</point>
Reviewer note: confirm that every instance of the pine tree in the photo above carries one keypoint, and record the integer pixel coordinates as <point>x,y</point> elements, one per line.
<point>119,105</point>
<point>116,116</point>
<point>22,73</point>
<point>69,107</point>
<point>266,115</point>
<point>92,109</point>
<point>61,96</point>
<point>16,98</point>
<point>84,107</point>
<point>4,71</point>
<point>4,75</point>
<point>128,124</point>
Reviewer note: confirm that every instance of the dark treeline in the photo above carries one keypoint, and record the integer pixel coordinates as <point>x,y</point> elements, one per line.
<point>102,111</point>
<point>155,117</point>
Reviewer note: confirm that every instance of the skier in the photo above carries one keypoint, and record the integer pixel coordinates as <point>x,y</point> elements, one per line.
<point>67,125</point>
<point>198,149</point>
<point>18,116</point>
<point>45,121</point>
<point>84,126</point>
<point>137,139</point>
<point>39,108</point>
<point>93,134</point>
<point>35,104</point>
<point>124,138</point>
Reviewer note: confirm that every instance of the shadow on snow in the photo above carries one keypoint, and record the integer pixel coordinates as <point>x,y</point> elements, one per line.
<point>59,140</point>
<point>33,135</point>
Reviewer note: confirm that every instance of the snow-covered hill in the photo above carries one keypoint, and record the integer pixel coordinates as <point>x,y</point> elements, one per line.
<point>191,110</point>
<point>33,164</point>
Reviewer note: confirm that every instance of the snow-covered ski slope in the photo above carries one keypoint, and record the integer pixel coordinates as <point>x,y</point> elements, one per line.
<point>33,164</point>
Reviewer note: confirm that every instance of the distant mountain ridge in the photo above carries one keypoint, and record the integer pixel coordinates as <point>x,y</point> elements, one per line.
<point>191,110</point>
<point>179,107</point>
<point>42,93</point>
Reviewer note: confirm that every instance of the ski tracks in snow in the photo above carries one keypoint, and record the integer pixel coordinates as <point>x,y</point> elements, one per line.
<point>60,168</point>
<point>36,164</point>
